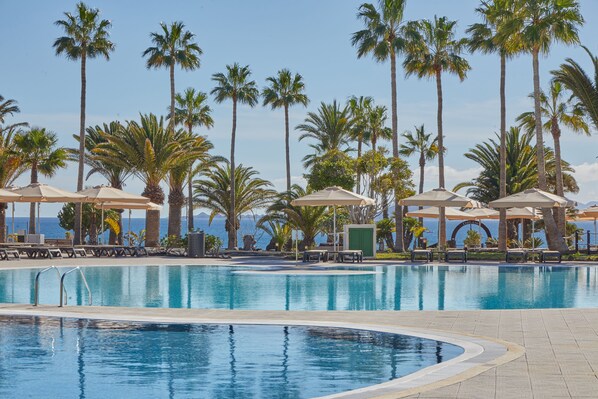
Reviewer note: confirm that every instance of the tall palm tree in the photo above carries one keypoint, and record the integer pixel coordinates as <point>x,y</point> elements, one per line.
<point>376,125</point>
<point>434,49</point>
<point>422,144</point>
<point>197,149</point>
<point>383,38</point>
<point>360,108</point>
<point>151,150</point>
<point>173,46</point>
<point>114,172</point>
<point>10,169</point>
<point>308,219</point>
<point>330,127</point>
<point>214,193</point>
<point>558,111</point>
<point>7,107</point>
<point>86,36</point>
<point>285,90</point>
<point>236,86</point>
<point>37,151</point>
<point>488,37</point>
<point>192,111</point>
<point>539,23</point>
<point>572,75</point>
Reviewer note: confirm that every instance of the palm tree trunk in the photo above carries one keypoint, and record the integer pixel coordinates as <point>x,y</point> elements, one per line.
<point>422,166</point>
<point>232,231</point>
<point>176,199</point>
<point>3,207</point>
<point>441,217</point>
<point>287,145</point>
<point>190,225</point>
<point>172,124</point>
<point>395,149</point>
<point>560,190</point>
<point>80,172</point>
<point>34,179</point>
<point>358,185</point>
<point>555,240</point>
<point>502,221</point>
<point>152,218</point>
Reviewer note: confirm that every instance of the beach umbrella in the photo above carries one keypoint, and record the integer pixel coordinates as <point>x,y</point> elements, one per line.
<point>333,196</point>
<point>38,193</point>
<point>7,195</point>
<point>532,198</point>
<point>433,212</point>
<point>482,213</point>
<point>149,206</point>
<point>441,198</point>
<point>103,194</point>
<point>590,213</point>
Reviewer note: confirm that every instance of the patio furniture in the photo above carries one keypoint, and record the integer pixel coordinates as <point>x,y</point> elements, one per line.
<point>352,255</point>
<point>455,254</point>
<point>65,245</point>
<point>516,255</point>
<point>5,253</point>
<point>315,255</point>
<point>547,256</point>
<point>419,252</point>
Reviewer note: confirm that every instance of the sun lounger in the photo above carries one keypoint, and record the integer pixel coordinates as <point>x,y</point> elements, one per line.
<point>5,253</point>
<point>547,256</point>
<point>455,254</point>
<point>352,255</point>
<point>419,252</point>
<point>516,255</point>
<point>315,255</point>
<point>35,252</point>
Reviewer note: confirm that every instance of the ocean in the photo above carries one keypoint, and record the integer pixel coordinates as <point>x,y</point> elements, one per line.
<point>51,229</point>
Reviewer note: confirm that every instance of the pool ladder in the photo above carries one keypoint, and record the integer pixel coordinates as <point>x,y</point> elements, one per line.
<point>61,277</point>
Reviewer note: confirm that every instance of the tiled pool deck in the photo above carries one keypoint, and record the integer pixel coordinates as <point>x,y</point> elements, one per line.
<point>560,358</point>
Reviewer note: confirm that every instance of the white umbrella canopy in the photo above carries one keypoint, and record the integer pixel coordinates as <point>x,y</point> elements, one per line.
<point>333,196</point>
<point>523,213</point>
<point>103,194</point>
<point>433,212</point>
<point>590,212</point>
<point>38,192</point>
<point>532,198</point>
<point>440,197</point>
<point>483,213</point>
<point>8,195</point>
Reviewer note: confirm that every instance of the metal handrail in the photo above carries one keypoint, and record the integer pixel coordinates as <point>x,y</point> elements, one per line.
<point>36,284</point>
<point>84,281</point>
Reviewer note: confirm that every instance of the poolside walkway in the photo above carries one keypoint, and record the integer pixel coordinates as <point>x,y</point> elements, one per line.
<point>561,345</point>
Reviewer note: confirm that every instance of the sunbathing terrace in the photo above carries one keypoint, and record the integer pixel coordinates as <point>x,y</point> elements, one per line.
<point>536,353</point>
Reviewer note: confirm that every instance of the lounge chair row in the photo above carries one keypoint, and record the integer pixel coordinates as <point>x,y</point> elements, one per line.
<point>512,255</point>
<point>323,255</point>
<point>12,251</point>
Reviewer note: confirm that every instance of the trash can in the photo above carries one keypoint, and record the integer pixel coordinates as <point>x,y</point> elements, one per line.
<point>196,245</point>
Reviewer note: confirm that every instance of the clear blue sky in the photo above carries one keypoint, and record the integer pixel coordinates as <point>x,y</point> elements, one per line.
<point>310,37</point>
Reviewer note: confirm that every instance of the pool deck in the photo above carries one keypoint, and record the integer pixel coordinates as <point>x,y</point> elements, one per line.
<point>555,351</point>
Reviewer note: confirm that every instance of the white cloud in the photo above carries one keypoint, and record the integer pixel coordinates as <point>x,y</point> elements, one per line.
<point>586,175</point>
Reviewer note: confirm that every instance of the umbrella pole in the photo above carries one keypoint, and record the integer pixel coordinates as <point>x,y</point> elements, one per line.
<point>334,228</point>
<point>533,228</point>
<point>103,238</point>
<point>38,221</point>
<point>13,218</point>
<point>130,211</point>
<point>594,230</point>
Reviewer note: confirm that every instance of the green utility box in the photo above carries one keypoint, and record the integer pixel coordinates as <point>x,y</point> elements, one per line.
<point>361,236</point>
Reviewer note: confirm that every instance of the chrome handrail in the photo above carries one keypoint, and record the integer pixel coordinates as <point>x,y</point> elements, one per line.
<point>84,281</point>
<point>36,284</point>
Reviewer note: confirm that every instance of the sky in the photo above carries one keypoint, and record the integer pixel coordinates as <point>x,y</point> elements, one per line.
<point>310,37</point>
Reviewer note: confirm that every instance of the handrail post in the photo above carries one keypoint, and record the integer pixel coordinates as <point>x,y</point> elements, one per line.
<point>36,285</point>
<point>89,298</point>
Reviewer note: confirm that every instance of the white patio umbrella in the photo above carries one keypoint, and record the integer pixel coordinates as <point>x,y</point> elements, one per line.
<point>441,198</point>
<point>149,206</point>
<point>433,212</point>
<point>590,213</point>
<point>38,193</point>
<point>532,198</point>
<point>7,195</point>
<point>103,194</point>
<point>333,196</point>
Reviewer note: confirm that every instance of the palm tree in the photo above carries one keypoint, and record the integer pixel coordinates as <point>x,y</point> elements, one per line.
<point>192,111</point>
<point>330,127</point>
<point>197,149</point>
<point>151,150</point>
<point>421,144</point>
<point>359,107</point>
<point>558,111</point>
<point>539,23</point>
<point>37,151</point>
<point>236,86</point>
<point>383,38</point>
<point>308,219</point>
<point>86,36</point>
<point>114,172</point>
<point>572,75</point>
<point>174,46</point>
<point>433,49</point>
<point>7,107</point>
<point>285,90</point>
<point>375,126</point>
<point>488,37</point>
<point>214,193</point>
<point>10,169</point>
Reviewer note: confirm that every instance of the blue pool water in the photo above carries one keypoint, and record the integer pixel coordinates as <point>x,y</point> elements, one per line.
<point>67,358</point>
<point>386,288</point>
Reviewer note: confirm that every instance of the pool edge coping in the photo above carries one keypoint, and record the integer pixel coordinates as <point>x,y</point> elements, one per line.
<point>458,369</point>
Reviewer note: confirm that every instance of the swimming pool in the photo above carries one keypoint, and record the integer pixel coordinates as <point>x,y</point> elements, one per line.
<point>56,357</point>
<point>421,287</point>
